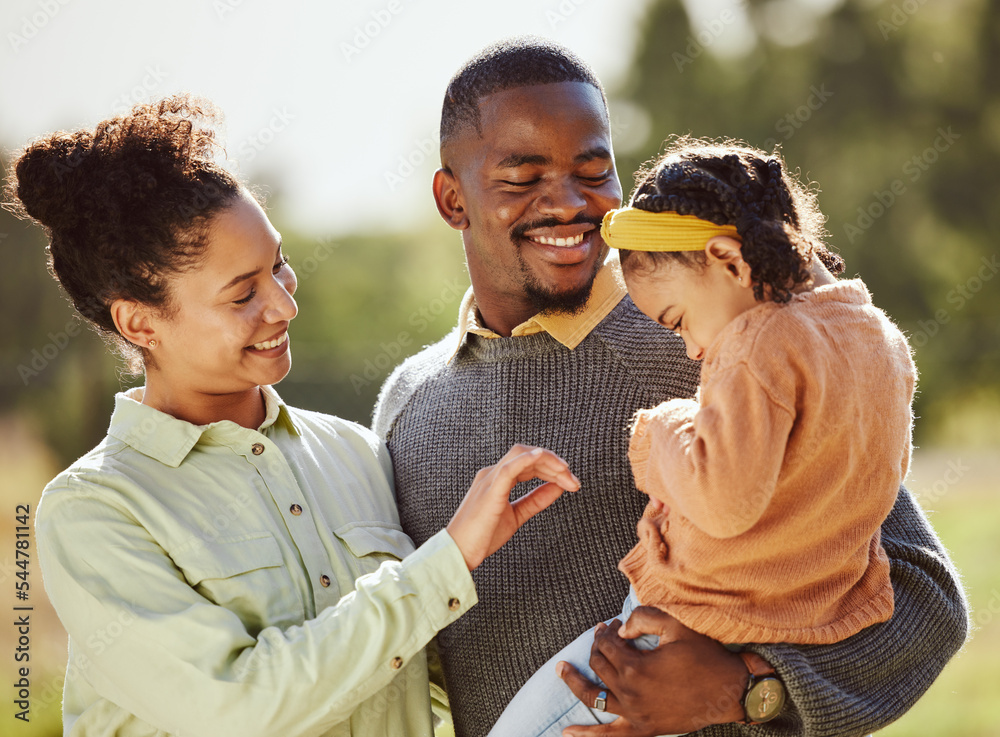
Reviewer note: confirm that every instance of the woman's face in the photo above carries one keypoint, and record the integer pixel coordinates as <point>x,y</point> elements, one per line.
<point>228,332</point>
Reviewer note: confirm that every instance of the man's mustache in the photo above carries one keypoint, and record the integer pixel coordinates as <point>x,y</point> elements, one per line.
<point>519,231</point>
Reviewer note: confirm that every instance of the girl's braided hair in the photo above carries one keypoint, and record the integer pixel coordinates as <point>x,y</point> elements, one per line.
<point>731,183</point>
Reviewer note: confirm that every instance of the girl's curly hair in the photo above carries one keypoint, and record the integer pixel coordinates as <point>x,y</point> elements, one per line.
<point>730,183</point>
<point>125,205</point>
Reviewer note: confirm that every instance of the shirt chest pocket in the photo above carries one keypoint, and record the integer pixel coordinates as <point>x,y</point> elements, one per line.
<point>246,575</point>
<point>372,544</point>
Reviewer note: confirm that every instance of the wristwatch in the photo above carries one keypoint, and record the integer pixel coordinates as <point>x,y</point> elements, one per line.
<point>765,695</point>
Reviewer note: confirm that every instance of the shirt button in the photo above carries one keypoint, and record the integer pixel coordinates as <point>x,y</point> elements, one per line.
<point>325,580</point>
<point>257,448</point>
<point>454,604</point>
<point>295,509</point>
<point>396,663</point>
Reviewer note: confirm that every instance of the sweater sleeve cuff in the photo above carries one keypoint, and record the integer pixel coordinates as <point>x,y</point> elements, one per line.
<point>438,571</point>
<point>669,417</point>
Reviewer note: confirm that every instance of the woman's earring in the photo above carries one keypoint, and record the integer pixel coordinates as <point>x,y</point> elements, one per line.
<point>152,344</point>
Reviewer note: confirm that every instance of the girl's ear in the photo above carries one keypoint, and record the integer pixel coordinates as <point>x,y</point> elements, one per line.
<point>728,253</point>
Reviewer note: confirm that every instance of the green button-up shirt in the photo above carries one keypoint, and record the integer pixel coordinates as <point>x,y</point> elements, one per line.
<point>216,580</point>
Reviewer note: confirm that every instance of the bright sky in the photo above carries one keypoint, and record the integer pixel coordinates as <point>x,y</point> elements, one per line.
<point>334,105</point>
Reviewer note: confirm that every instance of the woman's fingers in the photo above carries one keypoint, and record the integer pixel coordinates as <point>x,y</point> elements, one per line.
<point>535,501</point>
<point>487,518</point>
<point>523,463</point>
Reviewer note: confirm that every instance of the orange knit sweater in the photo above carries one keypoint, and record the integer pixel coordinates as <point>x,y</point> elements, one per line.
<point>779,475</point>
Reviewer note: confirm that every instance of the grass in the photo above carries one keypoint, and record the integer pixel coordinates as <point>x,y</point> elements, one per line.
<point>965,513</point>
<point>957,488</point>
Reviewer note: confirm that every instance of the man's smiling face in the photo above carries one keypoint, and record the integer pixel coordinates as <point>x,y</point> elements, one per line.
<point>533,189</point>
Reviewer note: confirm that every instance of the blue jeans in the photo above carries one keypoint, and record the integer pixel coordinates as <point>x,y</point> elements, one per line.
<point>545,706</point>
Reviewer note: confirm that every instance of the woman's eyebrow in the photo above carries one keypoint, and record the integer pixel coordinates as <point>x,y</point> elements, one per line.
<point>242,277</point>
<point>249,275</point>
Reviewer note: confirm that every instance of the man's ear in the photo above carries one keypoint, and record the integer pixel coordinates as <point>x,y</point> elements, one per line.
<point>133,321</point>
<point>729,253</point>
<point>448,197</point>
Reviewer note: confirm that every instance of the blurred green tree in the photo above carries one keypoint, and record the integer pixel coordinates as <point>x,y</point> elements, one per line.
<point>894,108</point>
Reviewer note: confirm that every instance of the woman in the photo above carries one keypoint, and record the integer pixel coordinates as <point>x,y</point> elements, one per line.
<point>223,563</point>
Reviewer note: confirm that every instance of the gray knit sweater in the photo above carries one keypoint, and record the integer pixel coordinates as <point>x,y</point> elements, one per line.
<point>558,576</point>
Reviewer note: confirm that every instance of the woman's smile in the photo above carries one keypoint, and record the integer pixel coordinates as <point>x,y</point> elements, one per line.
<point>272,343</point>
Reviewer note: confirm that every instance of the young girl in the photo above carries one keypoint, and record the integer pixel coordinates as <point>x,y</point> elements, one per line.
<point>768,489</point>
<point>224,563</point>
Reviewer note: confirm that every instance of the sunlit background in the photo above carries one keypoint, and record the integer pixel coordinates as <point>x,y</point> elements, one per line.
<point>332,108</point>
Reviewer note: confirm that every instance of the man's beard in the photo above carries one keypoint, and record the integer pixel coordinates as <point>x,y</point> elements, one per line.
<point>547,300</point>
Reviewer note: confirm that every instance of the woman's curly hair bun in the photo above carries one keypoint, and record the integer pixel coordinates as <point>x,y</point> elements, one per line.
<point>126,204</point>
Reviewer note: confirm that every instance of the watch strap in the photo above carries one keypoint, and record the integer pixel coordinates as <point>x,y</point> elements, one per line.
<point>764,692</point>
<point>756,665</point>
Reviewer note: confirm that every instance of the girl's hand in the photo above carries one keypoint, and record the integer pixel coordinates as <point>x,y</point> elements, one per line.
<point>657,505</point>
<point>486,518</point>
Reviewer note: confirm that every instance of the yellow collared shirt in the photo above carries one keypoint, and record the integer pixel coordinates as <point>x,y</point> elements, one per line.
<point>570,330</point>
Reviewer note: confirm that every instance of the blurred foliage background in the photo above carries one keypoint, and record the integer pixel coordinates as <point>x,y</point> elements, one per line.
<point>892,107</point>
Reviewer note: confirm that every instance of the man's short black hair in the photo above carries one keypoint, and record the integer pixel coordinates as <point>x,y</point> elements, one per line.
<point>521,61</point>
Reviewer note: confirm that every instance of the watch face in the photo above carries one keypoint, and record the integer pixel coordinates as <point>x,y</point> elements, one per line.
<point>764,700</point>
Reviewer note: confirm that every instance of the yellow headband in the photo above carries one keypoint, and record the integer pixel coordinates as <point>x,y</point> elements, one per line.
<point>640,230</point>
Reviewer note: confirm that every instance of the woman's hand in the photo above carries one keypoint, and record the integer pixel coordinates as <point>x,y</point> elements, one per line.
<point>486,518</point>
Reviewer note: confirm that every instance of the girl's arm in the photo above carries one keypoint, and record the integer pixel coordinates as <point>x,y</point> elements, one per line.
<point>713,461</point>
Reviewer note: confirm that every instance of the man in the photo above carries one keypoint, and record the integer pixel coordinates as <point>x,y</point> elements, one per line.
<point>550,351</point>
